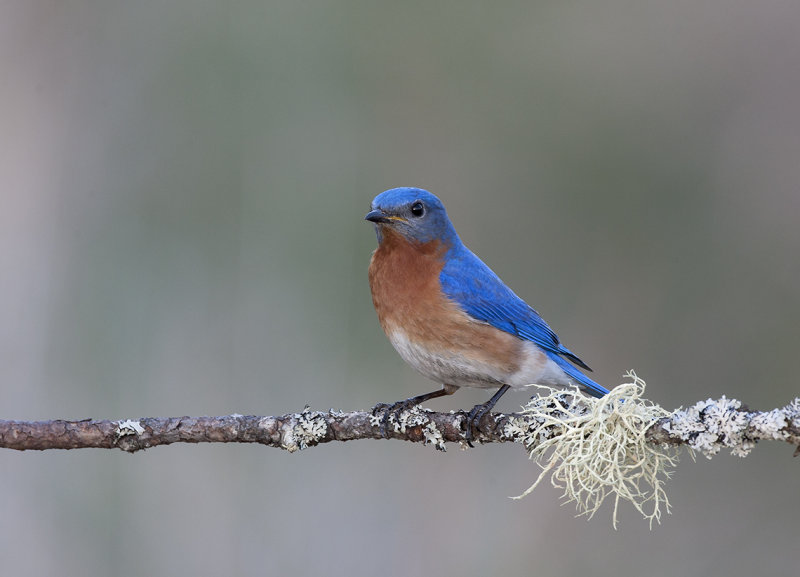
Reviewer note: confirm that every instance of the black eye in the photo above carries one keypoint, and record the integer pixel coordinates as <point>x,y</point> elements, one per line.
<point>417,209</point>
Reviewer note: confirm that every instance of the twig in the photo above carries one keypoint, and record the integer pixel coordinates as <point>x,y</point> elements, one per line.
<point>708,427</point>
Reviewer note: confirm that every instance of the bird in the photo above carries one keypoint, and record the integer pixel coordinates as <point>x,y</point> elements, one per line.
<point>450,317</point>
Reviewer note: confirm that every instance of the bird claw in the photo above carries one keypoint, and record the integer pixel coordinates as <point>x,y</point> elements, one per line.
<point>473,421</point>
<point>376,411</point>
<point>391,410</point>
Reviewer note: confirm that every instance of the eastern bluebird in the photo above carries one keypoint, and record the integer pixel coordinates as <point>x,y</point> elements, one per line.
<point>449,316</point>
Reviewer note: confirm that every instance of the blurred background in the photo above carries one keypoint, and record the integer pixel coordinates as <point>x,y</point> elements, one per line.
<point>182,192</point>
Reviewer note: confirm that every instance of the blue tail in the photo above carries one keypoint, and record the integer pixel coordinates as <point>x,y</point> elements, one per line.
<point>584,382</point>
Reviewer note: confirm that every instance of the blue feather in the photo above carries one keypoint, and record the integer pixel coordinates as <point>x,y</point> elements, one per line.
<point>466,280</point>
<point>580,379</point>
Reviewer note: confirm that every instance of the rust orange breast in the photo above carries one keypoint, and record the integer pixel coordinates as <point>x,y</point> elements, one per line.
<point>404,279</point>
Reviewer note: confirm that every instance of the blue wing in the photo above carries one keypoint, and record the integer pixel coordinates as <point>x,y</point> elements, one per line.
<point>480,293</point>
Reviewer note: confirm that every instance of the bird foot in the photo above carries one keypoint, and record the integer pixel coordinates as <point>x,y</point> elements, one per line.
<point>394,410</point>
<point>391,412</point>
<point>473,421</point>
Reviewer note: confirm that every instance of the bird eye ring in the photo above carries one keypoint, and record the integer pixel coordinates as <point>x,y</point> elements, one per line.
<point>417,209</point>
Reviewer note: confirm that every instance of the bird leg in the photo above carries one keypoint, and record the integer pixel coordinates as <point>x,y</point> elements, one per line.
<point>396,408</point>
<point>479,411</point>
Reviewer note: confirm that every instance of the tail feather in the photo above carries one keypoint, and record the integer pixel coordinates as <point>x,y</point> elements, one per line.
<point>584,382</point>
<point>574,358</point>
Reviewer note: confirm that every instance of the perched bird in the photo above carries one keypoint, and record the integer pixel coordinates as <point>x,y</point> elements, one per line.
<point>449,316</point>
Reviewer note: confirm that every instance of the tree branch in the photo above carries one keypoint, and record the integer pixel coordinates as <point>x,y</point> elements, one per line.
<point>620,445</point>
<point>708,426</point>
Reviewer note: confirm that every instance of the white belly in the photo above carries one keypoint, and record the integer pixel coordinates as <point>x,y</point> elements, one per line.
<point>460,369</point>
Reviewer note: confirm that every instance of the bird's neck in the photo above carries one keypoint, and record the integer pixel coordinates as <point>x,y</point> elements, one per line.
<point>394,242</point>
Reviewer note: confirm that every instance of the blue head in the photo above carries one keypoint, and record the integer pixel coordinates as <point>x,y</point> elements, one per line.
<point>414,213</point>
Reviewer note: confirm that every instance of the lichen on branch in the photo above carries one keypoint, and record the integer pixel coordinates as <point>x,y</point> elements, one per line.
<point>596,448</point>
<point>619,446</point>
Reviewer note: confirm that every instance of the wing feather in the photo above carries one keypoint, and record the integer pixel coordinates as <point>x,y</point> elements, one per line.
<point>466,280</point>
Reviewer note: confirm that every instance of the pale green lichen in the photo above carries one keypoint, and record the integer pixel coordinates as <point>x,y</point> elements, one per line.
<point>711,425</point>
<point>771,424</point>
<point>596,448</point>
<point>418,417</point>
<point>128,427</point>
<point>402,421</point>
<point>308,428</point>
<point>433,436</point>
<point>792,411</point>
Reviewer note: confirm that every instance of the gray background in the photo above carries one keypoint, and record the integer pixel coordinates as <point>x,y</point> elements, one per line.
<point>183,186</point>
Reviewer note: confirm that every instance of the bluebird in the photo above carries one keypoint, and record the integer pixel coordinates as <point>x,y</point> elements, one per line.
<point>450,317</point>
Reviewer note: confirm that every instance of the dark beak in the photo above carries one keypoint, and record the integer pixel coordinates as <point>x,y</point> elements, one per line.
<point>376,216</point>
